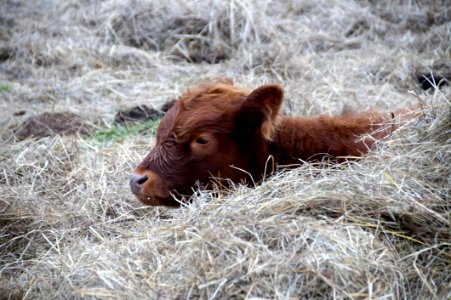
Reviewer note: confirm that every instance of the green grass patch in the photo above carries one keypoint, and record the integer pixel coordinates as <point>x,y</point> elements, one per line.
<point>5,88</point>
<point>120,132</point>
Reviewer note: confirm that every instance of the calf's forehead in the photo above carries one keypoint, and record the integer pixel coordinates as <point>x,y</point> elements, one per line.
<point>209,101</point>
<point>199,108</point>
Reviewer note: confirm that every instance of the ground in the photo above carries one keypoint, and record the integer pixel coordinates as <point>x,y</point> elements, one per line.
<point>377,227</point>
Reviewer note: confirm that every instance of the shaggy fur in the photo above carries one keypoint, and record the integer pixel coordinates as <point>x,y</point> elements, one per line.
<point>218,131</point>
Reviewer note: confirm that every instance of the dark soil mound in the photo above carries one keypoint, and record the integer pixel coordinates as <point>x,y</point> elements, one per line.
<point>184,37</point>
<point>438,75</point>
<point>168,105</point>
<point>51,124</point>
<point>140,113</point>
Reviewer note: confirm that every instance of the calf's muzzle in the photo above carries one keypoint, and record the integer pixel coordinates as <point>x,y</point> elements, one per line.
<point>150,188</point>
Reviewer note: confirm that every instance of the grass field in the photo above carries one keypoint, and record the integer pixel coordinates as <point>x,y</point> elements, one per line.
<point>373,228</point>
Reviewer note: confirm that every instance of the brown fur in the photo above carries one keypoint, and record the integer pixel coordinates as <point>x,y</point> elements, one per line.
<point>217,130</point>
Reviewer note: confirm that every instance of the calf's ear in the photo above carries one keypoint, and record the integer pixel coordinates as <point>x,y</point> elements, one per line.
<point>260,111</point>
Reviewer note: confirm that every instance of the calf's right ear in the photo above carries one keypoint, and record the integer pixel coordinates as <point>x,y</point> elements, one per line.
<point>260,111</point>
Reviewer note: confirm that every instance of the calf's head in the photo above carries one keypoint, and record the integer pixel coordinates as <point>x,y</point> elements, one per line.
<point>214,131</point>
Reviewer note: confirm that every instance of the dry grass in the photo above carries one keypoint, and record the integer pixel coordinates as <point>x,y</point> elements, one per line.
<point>377,227</point>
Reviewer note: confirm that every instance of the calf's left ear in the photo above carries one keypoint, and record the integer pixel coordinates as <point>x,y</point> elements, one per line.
<point>260,111</point>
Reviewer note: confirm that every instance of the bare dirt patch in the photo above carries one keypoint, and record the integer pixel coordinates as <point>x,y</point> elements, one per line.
<point>437,75</point>
<point>140,113</point>
<point>183,37</point>
<point>51,124</point>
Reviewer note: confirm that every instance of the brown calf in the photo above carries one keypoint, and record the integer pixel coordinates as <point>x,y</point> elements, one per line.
<point>217,130</point>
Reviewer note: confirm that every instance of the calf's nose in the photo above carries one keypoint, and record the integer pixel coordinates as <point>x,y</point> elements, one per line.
<point>150,188</point>
<point>136,182</point>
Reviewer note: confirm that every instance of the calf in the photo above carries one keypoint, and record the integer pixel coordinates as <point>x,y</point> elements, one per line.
<point>219,131</point>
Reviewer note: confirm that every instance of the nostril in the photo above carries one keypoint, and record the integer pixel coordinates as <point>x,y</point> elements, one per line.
<point>136,182</point>
<point>140,180</point>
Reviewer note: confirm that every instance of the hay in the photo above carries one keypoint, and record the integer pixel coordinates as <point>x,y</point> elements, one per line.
<point>377,227</point>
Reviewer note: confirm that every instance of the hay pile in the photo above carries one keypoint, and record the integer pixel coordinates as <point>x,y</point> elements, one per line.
<point>377,227</point>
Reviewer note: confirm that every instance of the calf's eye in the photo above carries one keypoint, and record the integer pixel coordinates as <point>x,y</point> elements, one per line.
<point>201,140</point>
